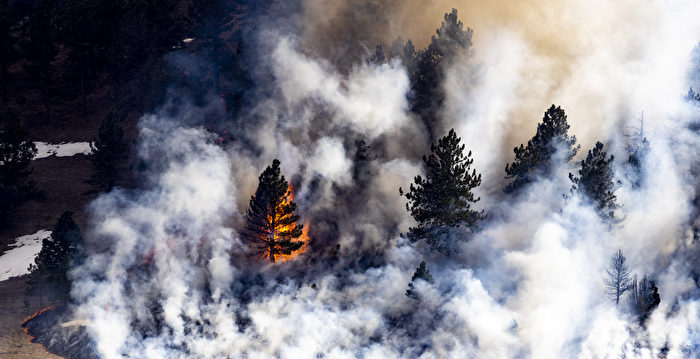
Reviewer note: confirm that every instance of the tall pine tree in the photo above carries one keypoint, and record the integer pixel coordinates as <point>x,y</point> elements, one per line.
<point>538,158</point>
<point>63,250</point>
<point>596,182</point>
<point>443,199</point>
<point>107,152</point>
<point>271,226</point>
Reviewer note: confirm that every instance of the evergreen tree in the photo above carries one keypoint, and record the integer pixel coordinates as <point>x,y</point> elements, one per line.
<point>107,152</point>
<point>427,75</point>
<point>16,154</point>
<point>643,297</point>
<point>443,199</point>
<point>617,280</point>
<point>421,273</point>
<point>63,250</point>
<point>596,182</point>
<point>538,158</point>
<point>271,226</point>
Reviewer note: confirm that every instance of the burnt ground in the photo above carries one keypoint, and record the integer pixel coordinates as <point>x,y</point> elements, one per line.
<point>15,307</point>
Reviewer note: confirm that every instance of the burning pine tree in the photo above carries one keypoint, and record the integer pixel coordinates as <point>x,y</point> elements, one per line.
<point>271,226</point>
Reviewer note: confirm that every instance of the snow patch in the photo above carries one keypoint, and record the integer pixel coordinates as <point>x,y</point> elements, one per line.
<point>61,149</point>
<point>15,262</point>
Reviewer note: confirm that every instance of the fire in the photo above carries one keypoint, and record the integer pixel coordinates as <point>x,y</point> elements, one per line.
<point>26,327</point>
<point>303,238</point>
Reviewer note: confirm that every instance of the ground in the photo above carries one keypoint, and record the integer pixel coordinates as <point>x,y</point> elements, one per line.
<point>14,342</point>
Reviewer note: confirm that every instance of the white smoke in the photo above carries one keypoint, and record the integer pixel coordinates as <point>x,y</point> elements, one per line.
<point>174,280</point>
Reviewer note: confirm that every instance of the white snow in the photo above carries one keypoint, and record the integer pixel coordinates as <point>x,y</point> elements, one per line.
<point>16,261</point>
<point>61,149</point>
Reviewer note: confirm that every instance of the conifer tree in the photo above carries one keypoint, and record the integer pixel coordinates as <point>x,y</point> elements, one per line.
<point>107,152</point>
<point>617,280</point>
<point>427,96</point>
<point>271,226</point>
<point>443,199</point>
<point>421,273</point>
<point>596,182</point>
<point>537,159</point>
<point>643,297</point>
<point>16,154</point>
<point>59,253</point>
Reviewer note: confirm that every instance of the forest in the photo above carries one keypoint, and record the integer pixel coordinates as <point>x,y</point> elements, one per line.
<point>338,179</point>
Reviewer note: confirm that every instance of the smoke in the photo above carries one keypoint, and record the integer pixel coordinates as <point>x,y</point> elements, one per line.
<point>171,277</point>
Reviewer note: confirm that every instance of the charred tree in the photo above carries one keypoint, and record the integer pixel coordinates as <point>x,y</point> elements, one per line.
<point>643,297</point>
<point>442,201</point>
<point>539,157</point>
<point>596,182</point>
<point>271,219</point>
<point>617,280</point>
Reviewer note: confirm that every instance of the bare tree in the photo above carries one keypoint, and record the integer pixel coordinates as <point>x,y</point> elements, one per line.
<point>617,280</point>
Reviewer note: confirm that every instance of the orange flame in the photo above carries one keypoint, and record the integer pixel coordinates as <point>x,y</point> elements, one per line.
<point>303,238</point>
<point>26,327</point>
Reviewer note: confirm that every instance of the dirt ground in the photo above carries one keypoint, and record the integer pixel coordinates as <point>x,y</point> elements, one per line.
<point>14,342</point>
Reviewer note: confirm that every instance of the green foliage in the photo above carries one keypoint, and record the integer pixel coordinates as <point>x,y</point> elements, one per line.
<point>426,67</point>
<point>421,273</point>
<point>538,158</point>
<point>271,222</point>
<point>59,253</point>
<point>443,199</point>
<point>107,152</point>
<point>16,154</point>
<point>596,182</point>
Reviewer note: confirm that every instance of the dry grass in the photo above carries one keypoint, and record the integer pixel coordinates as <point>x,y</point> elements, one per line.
<point>14,342</point>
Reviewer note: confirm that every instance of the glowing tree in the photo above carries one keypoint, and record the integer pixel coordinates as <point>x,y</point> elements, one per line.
<point>271,226</point>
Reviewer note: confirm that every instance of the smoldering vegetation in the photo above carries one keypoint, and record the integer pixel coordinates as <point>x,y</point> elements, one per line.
<point>350,122</point>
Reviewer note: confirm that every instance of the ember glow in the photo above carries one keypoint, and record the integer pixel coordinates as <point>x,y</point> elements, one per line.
<point>281,256</point>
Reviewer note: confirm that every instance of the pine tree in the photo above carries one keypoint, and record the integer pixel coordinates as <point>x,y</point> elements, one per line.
<point>421,273</point>
<point>443,199</point>
<point>107,152</point>
<point>16,154</point>
<point>538,158</point>
<point>617,280</point>
<point>271,226</point>
<point>596,182</point>
<point>59,253</point>
<point>427,75</point>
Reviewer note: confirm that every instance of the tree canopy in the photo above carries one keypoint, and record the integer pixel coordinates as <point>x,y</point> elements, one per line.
<point>617,280</point>
<point>596,182</point>
<point>271,226</point>
<point>539,157</point>
<point>107,152</point>
<point>443,199</point>
<point>421,273</point>
<point>63,250</point>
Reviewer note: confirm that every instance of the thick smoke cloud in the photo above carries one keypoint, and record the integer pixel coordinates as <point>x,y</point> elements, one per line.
<point>174,279</point>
